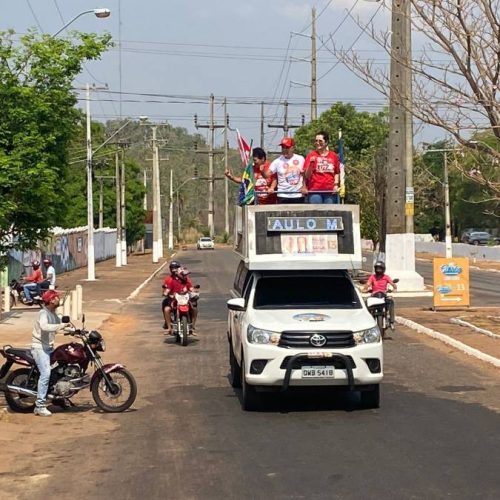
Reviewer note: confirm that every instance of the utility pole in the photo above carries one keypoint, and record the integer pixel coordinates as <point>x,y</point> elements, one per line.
<point>101,202</point>
<point>286,126</point>
<point>226,166</point>
<point>314,83</point>
<point>400,239</point>
<point>90,201</point>
<point>123,211</point>
<point>171,212</point>
<point>157,239</point>
<point>211,152</point>
<point>118,210</point>
<point>262,125</point>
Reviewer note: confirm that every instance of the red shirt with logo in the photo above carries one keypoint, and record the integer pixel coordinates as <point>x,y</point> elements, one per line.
<point>379,283</point>
<point>176,285</point>
<point>262,184</point>
<point>324,169</point>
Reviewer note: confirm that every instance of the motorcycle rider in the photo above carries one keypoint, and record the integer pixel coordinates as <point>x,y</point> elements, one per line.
<point>378,283</point>
<point>32,282</point>
<point>50,275</point>
<point>42,344</point>
<point>173,284</point>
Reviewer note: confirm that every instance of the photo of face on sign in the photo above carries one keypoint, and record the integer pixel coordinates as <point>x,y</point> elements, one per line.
<point>293,244</point>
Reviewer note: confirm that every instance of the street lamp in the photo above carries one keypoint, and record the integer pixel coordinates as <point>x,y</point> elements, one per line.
<point>446,186</point>
<point>100,13</point>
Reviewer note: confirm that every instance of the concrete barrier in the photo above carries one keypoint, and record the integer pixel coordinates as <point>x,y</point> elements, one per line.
<point>79,301</point>
<point>6,299</point>
<point>460,250</point>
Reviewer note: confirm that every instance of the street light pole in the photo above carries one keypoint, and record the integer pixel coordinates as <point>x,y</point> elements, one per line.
<point>100,13</point>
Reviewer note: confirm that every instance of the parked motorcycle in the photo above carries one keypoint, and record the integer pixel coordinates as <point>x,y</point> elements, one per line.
<point>182,314</point>
<point>379,309</point>
<point>17,294</point>
<point>113,387</point>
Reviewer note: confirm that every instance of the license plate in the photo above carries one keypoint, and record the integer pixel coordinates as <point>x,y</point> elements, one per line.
<point>318,372</point>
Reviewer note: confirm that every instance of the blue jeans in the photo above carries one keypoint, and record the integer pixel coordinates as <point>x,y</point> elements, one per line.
<point>41,355</point>
<point>327,198</point>
<point>31,287</point>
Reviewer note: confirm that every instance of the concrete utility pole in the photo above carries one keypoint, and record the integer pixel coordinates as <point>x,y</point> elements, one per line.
<point>400,239</point>
<point>211,152</point>
<point>285,126</point>
<point>314,82</point>
<point>118,210</point>
<point>262,125</point>
<point>171,212</point>
<point>123,211</point>
<point>101,178</point>
<point>226,166</point>
<point>90,201</point>
<point>157,237</point>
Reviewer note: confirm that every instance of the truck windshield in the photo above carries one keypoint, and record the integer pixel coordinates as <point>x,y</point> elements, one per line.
<point>305,292</point>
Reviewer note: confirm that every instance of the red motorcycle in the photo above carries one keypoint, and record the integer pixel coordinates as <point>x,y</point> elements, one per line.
<point>182,314</point>
<point>113,387</point>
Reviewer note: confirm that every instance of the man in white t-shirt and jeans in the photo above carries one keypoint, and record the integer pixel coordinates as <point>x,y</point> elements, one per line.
<point>289,170</point>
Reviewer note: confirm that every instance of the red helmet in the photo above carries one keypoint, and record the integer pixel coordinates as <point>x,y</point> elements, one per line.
<point>50,295</point>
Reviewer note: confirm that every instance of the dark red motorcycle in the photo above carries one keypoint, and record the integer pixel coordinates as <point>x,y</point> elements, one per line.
<point>113,387</point>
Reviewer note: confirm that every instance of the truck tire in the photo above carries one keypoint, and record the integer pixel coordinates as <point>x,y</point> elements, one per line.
<point>370,399</point>
<point>235,371</point>
<point>250,400</point>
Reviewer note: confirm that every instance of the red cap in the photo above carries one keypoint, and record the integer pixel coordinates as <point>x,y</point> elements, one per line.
<point>287,142</point>
<point>50,295</point>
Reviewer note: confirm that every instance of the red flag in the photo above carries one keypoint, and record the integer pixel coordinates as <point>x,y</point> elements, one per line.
<point>243,148</point>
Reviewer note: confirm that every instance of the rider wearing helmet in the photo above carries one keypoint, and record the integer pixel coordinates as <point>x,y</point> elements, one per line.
<point>172,284</point>
<point>378,283</point>
<point>32,282</point>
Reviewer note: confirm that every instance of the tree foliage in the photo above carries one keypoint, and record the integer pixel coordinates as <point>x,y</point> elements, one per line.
<point>37,122</point>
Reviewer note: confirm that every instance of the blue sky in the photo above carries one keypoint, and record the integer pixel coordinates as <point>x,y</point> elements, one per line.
<point>231,48</point>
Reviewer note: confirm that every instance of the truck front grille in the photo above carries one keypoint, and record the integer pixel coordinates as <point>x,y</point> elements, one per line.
<point>302,340</point>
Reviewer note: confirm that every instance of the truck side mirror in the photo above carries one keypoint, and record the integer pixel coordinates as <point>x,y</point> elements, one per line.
<point>237,304</point>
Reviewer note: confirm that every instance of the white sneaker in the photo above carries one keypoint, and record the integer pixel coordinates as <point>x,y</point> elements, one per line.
<point>42,412</point>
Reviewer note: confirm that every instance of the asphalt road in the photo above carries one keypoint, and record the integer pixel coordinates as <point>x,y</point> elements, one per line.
<point>436,435</point>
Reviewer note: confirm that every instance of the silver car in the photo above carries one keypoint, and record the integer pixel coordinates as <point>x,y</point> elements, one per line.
<point>205,243</point>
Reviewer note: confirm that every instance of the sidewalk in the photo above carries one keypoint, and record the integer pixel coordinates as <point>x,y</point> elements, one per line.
<point>101,298</point>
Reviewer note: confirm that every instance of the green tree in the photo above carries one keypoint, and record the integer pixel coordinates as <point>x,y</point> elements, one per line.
<point>37,122</point>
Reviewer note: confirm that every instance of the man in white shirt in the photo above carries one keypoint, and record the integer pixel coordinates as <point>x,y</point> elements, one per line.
<point>50,275</point>
<point>289,170</point>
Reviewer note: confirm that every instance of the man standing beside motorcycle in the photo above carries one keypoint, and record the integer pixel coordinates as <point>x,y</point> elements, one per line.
<point>172,284</point>
<point>42,344</point>
<point>378,283</point>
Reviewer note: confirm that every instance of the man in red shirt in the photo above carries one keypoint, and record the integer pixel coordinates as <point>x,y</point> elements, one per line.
<point>263,190</point>
<point>378,283</point>
<point>32,282</point>
<point>175,283</point>
<point>322,172</point>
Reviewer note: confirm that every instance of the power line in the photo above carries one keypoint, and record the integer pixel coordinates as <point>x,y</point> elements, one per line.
<point>34,15</point>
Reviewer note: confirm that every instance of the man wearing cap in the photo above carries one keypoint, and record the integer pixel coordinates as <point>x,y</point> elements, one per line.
<point>32,282</point>
<point>289,169</point>
<point>42,344</point>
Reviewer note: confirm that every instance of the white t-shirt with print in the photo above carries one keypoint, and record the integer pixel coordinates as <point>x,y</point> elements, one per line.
<point>290,175</point>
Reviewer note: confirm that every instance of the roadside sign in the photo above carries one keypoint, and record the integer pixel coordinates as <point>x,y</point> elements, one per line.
<point>451,282</point>
<point>409,209</point>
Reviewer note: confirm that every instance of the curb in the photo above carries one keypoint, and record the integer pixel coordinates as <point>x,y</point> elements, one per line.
<point>146,281</point>
<point>449,340</point>
<point>461,322</point>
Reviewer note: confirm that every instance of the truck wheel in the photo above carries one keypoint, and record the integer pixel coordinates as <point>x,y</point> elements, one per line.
<point>235,371</point>
<point>250,396</point>
<point>370,399</point>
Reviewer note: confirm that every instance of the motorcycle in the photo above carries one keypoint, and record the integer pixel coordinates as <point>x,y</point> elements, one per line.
<point>182,313</point>
<point>379,309</point>
<point>17,294</point>
<point>113,387</point>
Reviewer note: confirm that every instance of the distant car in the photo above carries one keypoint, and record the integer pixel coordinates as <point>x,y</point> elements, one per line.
<point>481,238</point>
<point>464,238</point>
<point>205,243</point>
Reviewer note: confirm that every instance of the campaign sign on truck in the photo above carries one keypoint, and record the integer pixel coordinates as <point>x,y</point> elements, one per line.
<point>451,282</point>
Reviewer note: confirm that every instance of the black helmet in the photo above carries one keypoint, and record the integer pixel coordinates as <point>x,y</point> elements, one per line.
<point>379,264</point>
<point>174,265</point>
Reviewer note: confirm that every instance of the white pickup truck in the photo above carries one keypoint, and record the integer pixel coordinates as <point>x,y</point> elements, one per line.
<point>299,320</point>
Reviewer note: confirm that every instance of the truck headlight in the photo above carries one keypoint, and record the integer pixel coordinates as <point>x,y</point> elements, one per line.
<point>369,336</point>
<point>260,336</point>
